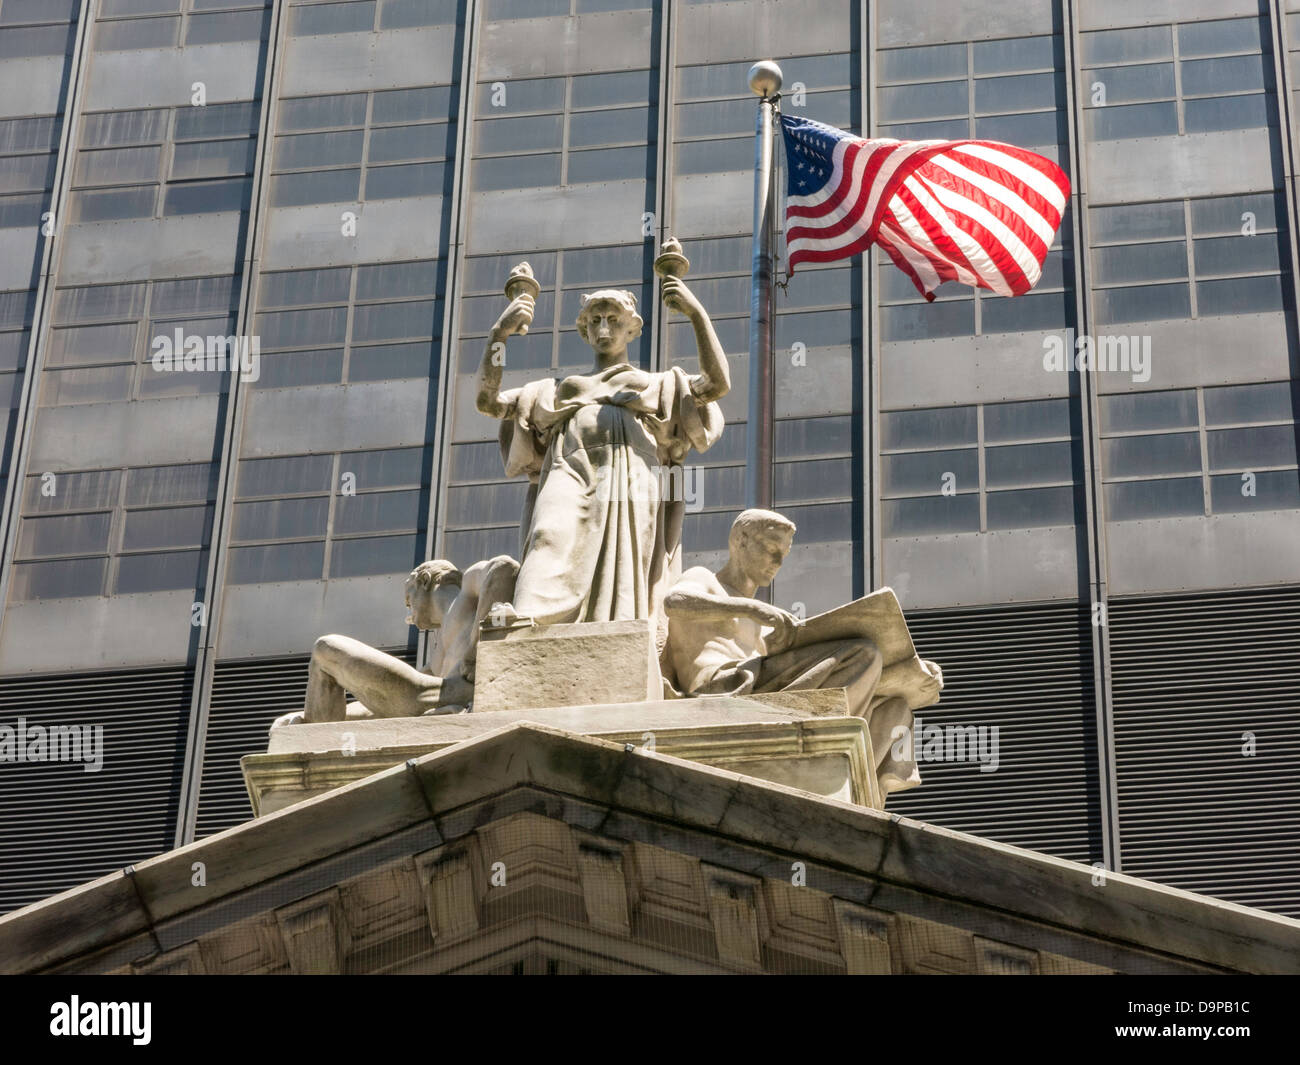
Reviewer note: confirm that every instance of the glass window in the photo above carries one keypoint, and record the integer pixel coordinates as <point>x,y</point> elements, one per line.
<point>1032,508</point>
<point>387,321</point>
<point>276,562</point>
<point>107,204</point>
<point>940,427</point>
<point>1249,403</point>
<point>73,491</point>
<point>282,329</point>
<point>1245,449</point>
<point>390,362</point>
<point>428,141</point>
<point>930,515</point>
<point>1139,221</point>
<point>1127,263</point>
<point>156,573</point>
<point>607,90</point>
<point>86,345</point>
<point>281,519</point>
<point>372,512</point>
<point>1137,456</point>
<point>923,320</point>
<point>1016,53</point>
<point>397,14</point>
<point>375,555</point>
<point>809,436</point>
<point>320,186</point>
<point>1221,37</point>
<point>1239,295</point>
<point>202,197</point>
<point>927,472</point>
<point>1143,303</point>
<point>171,484</point>
<point>396,280</point>
<point>98,301</point>
<point>1228,112</point>
<point>227,26</point>
<point>1268,490</point>
<point>934,62</point>
<point>1237,255</point>
<point>102,384</point>
<point>321,112</point>
<point>416,105</point>
<point>1036,419</point>
<point>314,19</point>
<point>396,182</point>
<point>1117,122</point>
<point>301,368</point>
<point>217,120</point>
<point>521,171</point>
<point>942,99</point>
<point>385,469</point>
<point>29,134</point>
<point>523,95</point>
<point>135,33</point>
<point>1228,214</point>
<point>110,129</point>
<point>796,482</point>
<point>307,150</point>
<point>1027,464</point>
<point>1144,411</point>
<point>22,173</point>
<point>167,527</point>
<point>1132,84</point>
<point>289,287</point>
<point>1134,500</point>
<point>64,534</point>
<point>58,580</point>
<point>284,476</point>
<point>535,133</point>
<point>195,295</point>
<point>1127,46</point>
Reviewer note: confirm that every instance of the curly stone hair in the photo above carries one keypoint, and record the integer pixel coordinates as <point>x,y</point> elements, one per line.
<point>624,299</point>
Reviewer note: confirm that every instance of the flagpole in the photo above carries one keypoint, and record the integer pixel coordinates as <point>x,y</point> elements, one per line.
<point>765,82</point>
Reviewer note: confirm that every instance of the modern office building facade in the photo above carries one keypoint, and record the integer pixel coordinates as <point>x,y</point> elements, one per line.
<point>1105,562</point>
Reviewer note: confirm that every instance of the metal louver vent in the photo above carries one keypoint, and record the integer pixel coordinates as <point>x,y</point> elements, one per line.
<point>1191,677</point>
<point>60,825</point>
<point>1028,670</point>
<point>246,698</point>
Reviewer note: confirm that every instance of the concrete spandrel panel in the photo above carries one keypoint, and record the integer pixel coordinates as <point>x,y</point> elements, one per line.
<point>978,569</point>
<point>389,59</point>
<point>823,384</point>
<point>19,249</point>
<point>572,216</point>
<point>380,231</point>
<point>32,86</point>
<point>744,32</point>
<point>1218,551</point>
<point>900,23</point>
<point>326,418</point>
<point>582,44</point>
<point>953,371</point>
<point>57,635</point>
<point>713,205</point>
<point>139,248</point>
<point>1108,14</point>
<point>147,432</point>
<point>158,77</point>
<point>1195,164</point>
<point>1208,351</point>
<point>287,617</point>
<point>815,577</point>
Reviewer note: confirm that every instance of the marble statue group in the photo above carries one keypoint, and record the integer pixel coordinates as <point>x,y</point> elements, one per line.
<point>601,541</point>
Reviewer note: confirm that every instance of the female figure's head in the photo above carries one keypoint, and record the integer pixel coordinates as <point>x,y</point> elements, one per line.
<point>608,322</point>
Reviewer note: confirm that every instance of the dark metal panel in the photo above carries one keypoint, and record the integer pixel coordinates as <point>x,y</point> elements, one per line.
<point>1028,671</point>
<point>386,60</point>
<point>905,22</point>
<point>1195,678</point>
<point>582,44</point>
<point>1194,164</point>
<point>385,231</point>
<point>63,826</point>
<point>374,414</point>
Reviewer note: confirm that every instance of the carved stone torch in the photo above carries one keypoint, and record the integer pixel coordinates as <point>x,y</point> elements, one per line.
<point>520,283</point>
<point>671,262</point>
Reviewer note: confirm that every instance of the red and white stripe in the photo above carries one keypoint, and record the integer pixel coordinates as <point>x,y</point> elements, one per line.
<point>977,212</point>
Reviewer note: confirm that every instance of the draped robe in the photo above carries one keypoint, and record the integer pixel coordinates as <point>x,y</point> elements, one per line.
<point>601,537</point>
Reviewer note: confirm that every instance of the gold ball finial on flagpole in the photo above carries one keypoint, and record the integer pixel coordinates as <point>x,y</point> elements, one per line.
<point>765,78</point>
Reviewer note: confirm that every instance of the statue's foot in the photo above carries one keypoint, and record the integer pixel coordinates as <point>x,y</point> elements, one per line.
<point>293,718</point>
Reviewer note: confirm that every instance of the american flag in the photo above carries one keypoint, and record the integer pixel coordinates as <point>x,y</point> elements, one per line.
<point>978,212</point>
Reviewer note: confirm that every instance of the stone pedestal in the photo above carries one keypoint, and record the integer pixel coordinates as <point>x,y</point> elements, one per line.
<point>567,665</point>
<point>803,740</point>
